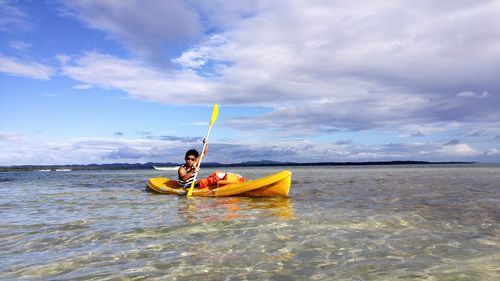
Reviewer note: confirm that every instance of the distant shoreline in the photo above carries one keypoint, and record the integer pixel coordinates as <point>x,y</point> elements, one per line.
<point>149,165</point>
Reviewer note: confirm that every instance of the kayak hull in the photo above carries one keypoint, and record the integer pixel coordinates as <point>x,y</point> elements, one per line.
<point>277,184</point>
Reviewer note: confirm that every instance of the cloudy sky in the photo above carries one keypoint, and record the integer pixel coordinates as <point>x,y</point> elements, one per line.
<point>104,81</point>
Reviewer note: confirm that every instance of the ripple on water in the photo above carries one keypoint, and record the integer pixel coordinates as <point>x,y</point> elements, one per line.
<point>339,224</point>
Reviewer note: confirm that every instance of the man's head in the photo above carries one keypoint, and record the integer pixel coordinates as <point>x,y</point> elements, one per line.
<point>191,154</point>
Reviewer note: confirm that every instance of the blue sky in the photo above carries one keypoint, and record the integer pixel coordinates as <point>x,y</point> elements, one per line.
<point>135,81</point>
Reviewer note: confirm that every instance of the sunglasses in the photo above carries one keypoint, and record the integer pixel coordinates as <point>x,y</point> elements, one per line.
<point>190,158</point>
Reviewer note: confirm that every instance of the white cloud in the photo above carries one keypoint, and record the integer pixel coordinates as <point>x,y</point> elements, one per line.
<point>322,66</point>
<point>492,152</point>
<point>414,68</point>
<point>458,149</point>
<point>19,45</point>
<point>11,136</point>
<point>89,150</point>
<point>426,129</point>
<point>467,94</point>
<point>63,59</point>
<point>199,123</point>
<point>139,80</point>
<point>12,18</point>
<point>18,149</point>
<point>26,69</point>
<point>82,86</point>
<point>146,27</point>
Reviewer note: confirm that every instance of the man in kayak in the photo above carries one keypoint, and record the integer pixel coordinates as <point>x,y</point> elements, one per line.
<point>188,171</point>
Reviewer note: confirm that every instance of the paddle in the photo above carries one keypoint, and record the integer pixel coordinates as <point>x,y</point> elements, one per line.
<point>215,113</point>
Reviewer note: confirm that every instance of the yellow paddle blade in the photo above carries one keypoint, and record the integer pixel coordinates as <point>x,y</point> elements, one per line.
<point>190,191</point>
<point>215,114</point>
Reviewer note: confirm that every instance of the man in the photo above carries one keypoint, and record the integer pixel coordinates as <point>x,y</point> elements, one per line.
<point>188,171</point>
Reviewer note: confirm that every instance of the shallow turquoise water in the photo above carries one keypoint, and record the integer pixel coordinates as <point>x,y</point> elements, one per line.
<point>340,223</point>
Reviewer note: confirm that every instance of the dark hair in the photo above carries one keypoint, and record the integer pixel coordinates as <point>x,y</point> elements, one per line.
<point>193,152</point>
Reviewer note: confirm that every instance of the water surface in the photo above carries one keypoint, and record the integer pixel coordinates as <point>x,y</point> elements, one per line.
<point>340,223</point>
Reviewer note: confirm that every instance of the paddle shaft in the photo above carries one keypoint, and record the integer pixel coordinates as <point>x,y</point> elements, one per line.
<point>215,114</point>
<point>190,192</point>
<point>204,147</point>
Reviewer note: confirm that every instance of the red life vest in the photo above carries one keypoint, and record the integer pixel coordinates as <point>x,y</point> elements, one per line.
<point>218,179</point>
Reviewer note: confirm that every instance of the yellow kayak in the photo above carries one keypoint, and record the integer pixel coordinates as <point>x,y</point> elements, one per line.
<point>273,185</point>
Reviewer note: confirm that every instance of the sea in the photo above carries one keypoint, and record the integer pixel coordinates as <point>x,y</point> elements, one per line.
<point>415,222</point>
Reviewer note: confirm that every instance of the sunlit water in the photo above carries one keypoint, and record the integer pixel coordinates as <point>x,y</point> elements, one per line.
<point>340,223</point>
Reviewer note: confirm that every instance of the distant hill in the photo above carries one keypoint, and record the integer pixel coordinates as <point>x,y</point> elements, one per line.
<point>262,163</point>
<point>275,163</point>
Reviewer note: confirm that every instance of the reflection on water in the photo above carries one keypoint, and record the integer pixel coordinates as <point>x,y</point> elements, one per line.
<point>354,223</point>
<point>195,209</point>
